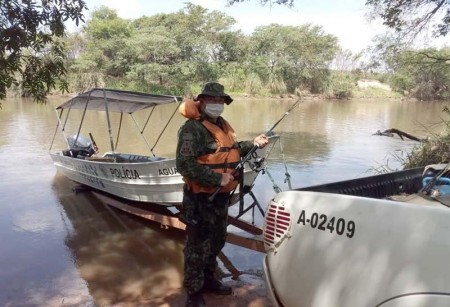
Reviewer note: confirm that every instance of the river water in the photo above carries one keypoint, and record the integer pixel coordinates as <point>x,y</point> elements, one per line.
<point>61,248</point>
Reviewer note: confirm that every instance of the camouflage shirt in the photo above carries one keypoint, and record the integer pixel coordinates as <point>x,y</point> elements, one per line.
<point>194,140</point>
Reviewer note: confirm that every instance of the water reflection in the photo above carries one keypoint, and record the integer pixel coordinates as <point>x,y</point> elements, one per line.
<point>121,258</point>
<point>314,148</point>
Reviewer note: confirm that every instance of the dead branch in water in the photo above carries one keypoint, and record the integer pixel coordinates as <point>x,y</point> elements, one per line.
<point>401,134</point>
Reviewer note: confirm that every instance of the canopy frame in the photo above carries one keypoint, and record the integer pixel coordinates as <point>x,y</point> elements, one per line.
<point>118,101</point>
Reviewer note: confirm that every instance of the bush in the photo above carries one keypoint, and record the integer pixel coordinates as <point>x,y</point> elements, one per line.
<point>341,86</point>
<point>233,78</point>
<point>253,84</point>
<point>433,150</point>
<point>276,85</point>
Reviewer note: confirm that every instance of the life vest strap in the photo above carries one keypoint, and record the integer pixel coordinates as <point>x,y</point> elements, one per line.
<point>223,165</point>
<point>227,149</point>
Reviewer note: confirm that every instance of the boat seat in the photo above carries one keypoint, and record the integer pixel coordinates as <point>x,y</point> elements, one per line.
<point>131,158</point>
<point>76,153</point>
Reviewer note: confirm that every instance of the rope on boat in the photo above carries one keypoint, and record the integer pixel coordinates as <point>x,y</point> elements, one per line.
<point>286,173</point>
<point>275,187</point>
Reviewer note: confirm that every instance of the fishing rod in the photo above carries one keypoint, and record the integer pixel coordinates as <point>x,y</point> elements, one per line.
<point>249,155</point>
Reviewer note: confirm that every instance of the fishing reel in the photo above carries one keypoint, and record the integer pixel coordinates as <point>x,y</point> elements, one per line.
<point>258,163</point>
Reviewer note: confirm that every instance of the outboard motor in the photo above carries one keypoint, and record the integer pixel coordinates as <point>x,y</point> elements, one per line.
<point>82,148</point>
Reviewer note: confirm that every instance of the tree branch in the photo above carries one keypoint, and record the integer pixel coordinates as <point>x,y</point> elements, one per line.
<point>401,134</point>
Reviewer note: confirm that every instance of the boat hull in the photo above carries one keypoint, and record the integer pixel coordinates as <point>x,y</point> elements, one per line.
<point>328,249</point>
<point>152,182</point>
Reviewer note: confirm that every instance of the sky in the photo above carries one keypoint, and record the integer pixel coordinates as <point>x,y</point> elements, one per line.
<point>344,19</point>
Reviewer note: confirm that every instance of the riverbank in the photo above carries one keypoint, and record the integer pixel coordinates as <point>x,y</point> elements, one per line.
<point>363,89</point>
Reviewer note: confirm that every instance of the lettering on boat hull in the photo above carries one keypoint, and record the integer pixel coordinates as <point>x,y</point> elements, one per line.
<point>125,173</point>
<point>94,181</point>
<point>86,169</point>
<point>167,171</point>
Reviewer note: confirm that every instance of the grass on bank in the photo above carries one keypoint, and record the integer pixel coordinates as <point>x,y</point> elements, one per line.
<point>374,92</point>
<point>433,150</point>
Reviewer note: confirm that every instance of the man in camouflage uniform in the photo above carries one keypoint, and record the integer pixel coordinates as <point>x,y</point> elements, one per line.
<point>206,221</point>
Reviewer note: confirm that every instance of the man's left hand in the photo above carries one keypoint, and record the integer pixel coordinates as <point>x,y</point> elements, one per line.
<point>261,141</point>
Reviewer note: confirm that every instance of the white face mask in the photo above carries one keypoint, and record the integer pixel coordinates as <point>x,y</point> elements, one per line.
<point>214,110</point>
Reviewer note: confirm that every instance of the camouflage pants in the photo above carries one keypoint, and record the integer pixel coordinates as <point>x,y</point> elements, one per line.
<point>206,233</point>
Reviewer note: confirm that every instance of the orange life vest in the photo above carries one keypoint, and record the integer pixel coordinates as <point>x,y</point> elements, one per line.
<point>224,159</point>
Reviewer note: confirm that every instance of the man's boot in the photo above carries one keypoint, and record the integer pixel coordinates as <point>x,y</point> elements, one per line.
<point>213,285</point>
<point>195,300</point>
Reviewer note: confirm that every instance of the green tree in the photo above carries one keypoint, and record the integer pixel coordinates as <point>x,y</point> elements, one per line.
<point>154,51</point>
<point>198,45</point>
<point>383,51</point>
<point>408,19</point>
<point>207,39</point>
<point>421,73</point>
<point>294,56</point>
<point>412,17</point>
<point>418,73</point>
<point>176,52</point>
<point>289,3</point>
<point>30,56</point>
<point>107,35</point>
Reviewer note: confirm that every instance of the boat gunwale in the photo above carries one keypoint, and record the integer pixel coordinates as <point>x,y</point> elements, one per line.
<point>379,186</point>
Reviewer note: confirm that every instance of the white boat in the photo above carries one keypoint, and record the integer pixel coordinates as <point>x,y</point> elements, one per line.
<point>375,241</point>
<point>144,178</point>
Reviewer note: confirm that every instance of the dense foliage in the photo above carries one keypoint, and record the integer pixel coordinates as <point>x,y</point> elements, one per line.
<point>30,56</point>
<point>289,3</point>
<point>177,52</point>
<point>423,73</point>
<point>413,17</point>
<point>420,73</point>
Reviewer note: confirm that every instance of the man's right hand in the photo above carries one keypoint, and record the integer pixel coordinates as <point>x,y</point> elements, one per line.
<point>226,179</point>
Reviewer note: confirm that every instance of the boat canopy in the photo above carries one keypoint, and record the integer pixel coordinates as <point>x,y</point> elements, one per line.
<point>116,101</point>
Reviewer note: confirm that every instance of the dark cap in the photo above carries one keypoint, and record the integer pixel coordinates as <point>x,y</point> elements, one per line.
<point>214,89</point>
